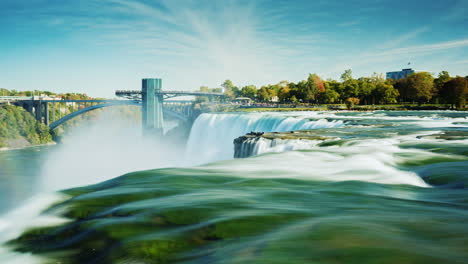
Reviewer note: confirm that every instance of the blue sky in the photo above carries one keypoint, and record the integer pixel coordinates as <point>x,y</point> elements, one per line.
<point>98,46</point>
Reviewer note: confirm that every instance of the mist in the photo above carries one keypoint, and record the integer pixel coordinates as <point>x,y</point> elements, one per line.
<point>104,148</point>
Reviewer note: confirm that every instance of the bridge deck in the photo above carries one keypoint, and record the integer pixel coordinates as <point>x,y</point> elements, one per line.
<point>139,92</point>
<point>116,101</point>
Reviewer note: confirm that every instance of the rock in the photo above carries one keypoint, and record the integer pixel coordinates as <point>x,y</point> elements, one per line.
<point>248,145</point>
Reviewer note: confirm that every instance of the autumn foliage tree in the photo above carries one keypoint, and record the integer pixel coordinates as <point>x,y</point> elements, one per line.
<point>314,87</point>
<point>419,87</point>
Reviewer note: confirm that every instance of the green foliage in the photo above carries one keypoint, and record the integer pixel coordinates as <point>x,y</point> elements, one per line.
<point>204,99</point>
<point>68,96</point>
<point>294,99</point>
<point>347,75</point>
<point>350,88</point>
<point>249,91</point>
<point>455,92</point>
<point>439,82</point>
<point>283,94</point>
<point>230,90</point>
<point>385,94</point>
<point>16,123</point>
<point>420,87</point>
<point>417,87</point>
<point>263,94</point>
<point>331,96</point>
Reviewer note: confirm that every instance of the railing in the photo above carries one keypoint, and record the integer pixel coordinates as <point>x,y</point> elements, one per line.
<point>15,98</point>
<point>191,93</point>
<point>135,92</point>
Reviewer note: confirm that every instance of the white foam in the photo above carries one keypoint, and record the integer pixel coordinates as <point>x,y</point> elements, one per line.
<point>281,145</point>
<point>212,135</point>
<point>26,216</point>
<point>372,164</point>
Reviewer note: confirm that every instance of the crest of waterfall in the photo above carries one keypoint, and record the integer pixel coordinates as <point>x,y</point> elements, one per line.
<point>212,135</point>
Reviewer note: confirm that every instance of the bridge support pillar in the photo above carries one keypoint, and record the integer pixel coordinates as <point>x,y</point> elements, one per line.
<point>46,114</point>
<point>52,112</point>
<point>38,110</point>
<point>152,106</point>
<point>28,106</point>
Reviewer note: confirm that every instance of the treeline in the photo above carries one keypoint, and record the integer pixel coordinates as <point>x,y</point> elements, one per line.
<point>65,96</point>
<point>17,123</point>
<point>419,88</point>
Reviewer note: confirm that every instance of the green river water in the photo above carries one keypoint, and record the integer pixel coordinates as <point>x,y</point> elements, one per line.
<point>391,187</point>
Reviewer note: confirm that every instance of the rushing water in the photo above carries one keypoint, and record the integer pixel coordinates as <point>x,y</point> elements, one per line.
<point>390,187</point>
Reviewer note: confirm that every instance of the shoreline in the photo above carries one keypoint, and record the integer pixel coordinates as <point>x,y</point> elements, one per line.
<point>355,109</point>
<point>30,146</point>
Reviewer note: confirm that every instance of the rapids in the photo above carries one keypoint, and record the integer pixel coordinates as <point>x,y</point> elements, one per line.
<point>389,188</point>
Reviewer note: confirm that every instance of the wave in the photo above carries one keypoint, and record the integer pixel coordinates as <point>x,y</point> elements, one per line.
<point>365,163</point>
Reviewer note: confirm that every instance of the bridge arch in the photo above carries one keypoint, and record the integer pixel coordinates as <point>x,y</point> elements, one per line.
<point>70,116</point>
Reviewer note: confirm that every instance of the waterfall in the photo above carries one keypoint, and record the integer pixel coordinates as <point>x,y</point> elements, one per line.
<point>212,135</point>
<point>259,145</point>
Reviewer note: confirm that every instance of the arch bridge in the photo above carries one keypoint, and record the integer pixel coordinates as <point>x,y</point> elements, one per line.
<point>150,98</point>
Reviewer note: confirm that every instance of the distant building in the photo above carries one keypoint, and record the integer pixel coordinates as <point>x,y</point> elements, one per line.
<point>46,97</point>
<point>242,100</point>
<point>399,74</point>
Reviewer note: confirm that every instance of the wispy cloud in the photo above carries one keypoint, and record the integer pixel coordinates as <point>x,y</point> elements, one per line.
<point>202,42</point>
<point>401,39</point>
<point>208,41</point>
<point>423,49</point>
<point>369,59</point>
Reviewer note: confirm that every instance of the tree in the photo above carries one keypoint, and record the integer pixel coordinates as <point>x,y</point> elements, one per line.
<point>249,91</point>
<point>455,92</point>
<point>263,94</point>
<point>443,77</point>
<point>311,88</point>
<point>385,93</point>
<point>350,102</point>
<point>377,78</point>
<point>332,92</point>
<point>294,99</point>
<point>366,89</point>
<point>229,89</point>
<point>349,88</point>
<point>417,87</point>
<point>331,96</point>
<point>347,75</point>
<point>440,81</point>
<point>284,94</point>
<point>204,89</point>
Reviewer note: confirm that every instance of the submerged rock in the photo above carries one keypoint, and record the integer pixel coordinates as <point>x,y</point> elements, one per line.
<point>448,135</point>
<point>255,143</point>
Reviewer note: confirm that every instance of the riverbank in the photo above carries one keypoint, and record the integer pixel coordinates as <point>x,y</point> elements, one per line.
<point>342,107</point>
<point>19,128</point>
<point>21,144</point>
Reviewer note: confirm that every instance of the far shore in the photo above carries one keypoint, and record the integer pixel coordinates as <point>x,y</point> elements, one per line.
<point>27,146</point>
<point>394,107</point>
